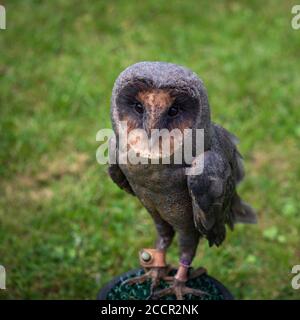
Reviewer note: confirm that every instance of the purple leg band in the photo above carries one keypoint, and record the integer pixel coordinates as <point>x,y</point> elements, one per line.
<point>184,262</point>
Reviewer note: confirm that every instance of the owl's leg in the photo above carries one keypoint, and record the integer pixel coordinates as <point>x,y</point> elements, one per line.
<point>165,234</point>
<point>188,245</point>
<point>156,267</point>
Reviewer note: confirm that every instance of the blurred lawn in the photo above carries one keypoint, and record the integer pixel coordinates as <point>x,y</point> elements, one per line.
<point>65,228</point>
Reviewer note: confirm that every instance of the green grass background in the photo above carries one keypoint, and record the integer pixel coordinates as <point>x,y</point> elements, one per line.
<point>65,228</point>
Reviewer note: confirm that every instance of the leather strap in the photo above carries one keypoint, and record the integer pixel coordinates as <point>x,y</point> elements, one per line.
<point>154,258</point>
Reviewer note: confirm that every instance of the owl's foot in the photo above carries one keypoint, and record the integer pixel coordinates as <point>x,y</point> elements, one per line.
<point>178,286</point>
<point>155,274</point>
<point>179,289</point>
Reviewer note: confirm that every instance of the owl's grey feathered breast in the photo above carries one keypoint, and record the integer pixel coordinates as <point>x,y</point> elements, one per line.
<point>157,95</point>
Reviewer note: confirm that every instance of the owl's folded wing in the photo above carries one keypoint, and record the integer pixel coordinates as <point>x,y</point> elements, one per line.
<point>119,178</point>
<point>211,190</point>
<point>114,170</point>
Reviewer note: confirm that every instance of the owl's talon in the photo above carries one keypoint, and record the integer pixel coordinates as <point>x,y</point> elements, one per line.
<point>195,273</point>
<point>136,280</point>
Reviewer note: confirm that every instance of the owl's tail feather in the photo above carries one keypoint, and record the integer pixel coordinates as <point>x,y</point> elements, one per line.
<point>242,211</point>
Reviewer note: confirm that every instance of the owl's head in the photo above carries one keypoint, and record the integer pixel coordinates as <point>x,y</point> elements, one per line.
<point>159,95</point>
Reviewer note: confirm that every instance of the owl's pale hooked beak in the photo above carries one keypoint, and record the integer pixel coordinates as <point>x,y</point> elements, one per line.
<point>148,128</point>
<point>150,123</point>
<point>148,132</point>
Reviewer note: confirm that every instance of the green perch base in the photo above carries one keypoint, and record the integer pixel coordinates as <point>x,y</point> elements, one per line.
<point>114,290</point>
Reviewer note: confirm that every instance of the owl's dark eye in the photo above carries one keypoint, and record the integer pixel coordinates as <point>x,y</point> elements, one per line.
<point>138,107</point>
<point>173,111</point>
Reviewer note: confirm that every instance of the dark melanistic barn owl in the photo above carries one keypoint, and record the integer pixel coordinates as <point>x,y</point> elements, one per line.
<point>159,95</point>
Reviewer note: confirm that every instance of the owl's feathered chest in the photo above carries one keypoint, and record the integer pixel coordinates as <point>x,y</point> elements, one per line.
<point>162,189</point>
<point>155,177</point>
